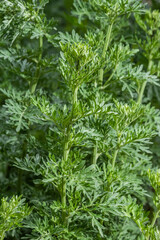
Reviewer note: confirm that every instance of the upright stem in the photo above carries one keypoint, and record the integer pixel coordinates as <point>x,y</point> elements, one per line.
<point>20,171</point>
<point>107,41</point>
<point>153,223</point>
<point>2,236</point>
<point>64,184</point>
<point>65,158</point>
<point>150,63</point>
<point>114,159</point>
<point>155,218</point>
<point>37,73</point>
<point>105,48</point>
<point>116,150</point>
<point>140,96</point>
<point>111,76</point>
<point>100,79</point>
<point>95,154</point>
<point>75,95</point>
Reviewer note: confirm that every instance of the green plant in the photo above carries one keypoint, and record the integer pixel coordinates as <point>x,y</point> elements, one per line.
<point>75,132</point>
<point>12,212</point>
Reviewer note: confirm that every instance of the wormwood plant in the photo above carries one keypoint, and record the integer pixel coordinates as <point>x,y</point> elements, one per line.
<point>12,213</point>
<point>75,133</point>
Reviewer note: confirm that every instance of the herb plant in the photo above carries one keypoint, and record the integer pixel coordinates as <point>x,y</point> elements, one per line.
<point>79,121</point>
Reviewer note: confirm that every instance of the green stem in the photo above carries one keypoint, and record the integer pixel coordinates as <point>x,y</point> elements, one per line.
<point>20,171</point>
<point>63,193</point>
<point>153,223</point>
<point>140,96</point>
<point>109,79</point>
<point>64,184</point>
<point>95,154</point>
<point>100,79</point>
<point>65,158</point>
<point>155,218</point>
<point>105,48</point>
<point>75,95</point>
<point>107,41</point>
<point>3,235</point>
<point>37,73</point>
<point>114,159</point>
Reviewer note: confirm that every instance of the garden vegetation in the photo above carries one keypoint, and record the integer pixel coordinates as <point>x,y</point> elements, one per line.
<point>79,120</point>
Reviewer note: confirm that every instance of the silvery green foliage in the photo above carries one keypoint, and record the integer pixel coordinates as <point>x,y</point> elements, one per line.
<point>81,150</point>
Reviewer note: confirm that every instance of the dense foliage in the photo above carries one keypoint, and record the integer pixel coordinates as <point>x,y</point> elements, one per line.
<point>80,120</point>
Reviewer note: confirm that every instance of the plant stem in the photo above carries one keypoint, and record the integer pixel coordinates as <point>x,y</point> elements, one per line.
<point>109,79</point>
<point>64,184</point>
<point>107,41</point>
<point>140,96</point>
<point>153,223</point>
<point>105,48</point>
<point>20,171</point>
<point>155,218</point>
<point>114,159</point>
<point>95,155</point>
<point>3,235</point>
<point>100,78</point>
<point>37,73</point>
<point>65,158</point>
<point>75,95</point>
